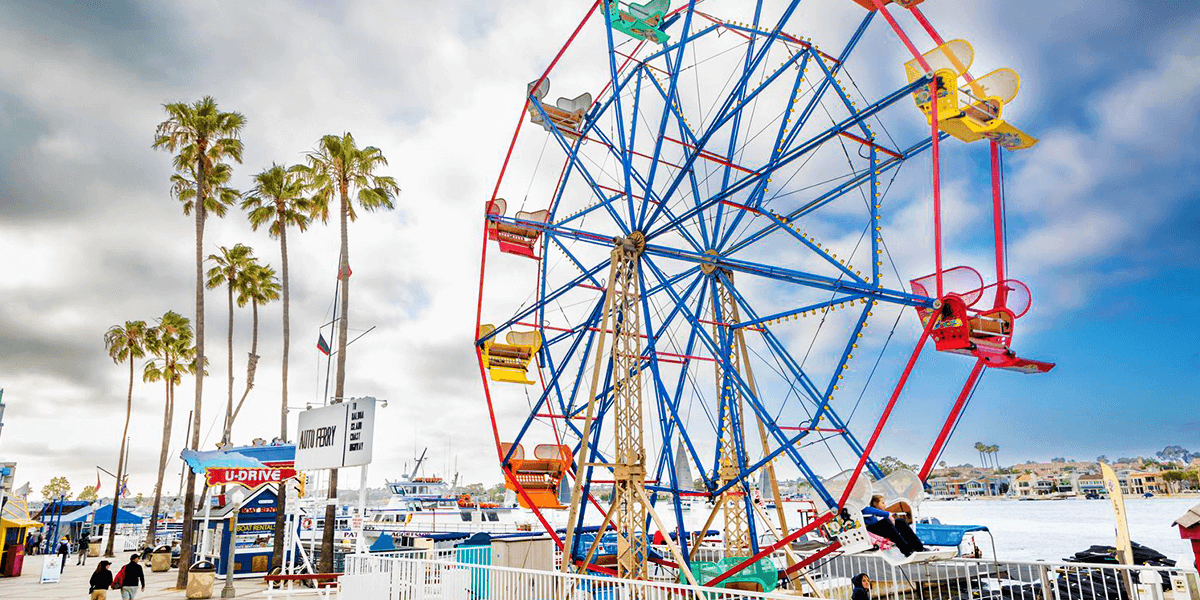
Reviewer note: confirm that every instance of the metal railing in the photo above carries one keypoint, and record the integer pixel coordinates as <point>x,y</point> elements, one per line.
<point>400,578</point>
<point>464,573</point>
<point>979,579</point>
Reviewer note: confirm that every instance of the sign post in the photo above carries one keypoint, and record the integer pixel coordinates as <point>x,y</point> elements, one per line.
<point>340,435</point>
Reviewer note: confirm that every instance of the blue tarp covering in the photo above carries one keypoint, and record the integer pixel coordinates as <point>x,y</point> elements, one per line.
<point>944,535</point>
<point>384,543</point>
<point>103,516</point>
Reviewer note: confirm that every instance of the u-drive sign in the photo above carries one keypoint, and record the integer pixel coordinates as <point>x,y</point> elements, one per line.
<point>338,435</point>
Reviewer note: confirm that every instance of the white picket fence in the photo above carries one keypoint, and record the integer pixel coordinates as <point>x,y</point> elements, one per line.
<point>462,574</point>
<point>398,578</point>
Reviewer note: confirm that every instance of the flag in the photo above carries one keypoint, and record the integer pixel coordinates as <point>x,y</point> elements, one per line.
<point>125,487</point>
<point>322,345</point>
<point>349,271</point>
<point>97,483</point>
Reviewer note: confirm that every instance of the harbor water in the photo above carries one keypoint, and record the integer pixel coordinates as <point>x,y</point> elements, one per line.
<point>1056,529</point>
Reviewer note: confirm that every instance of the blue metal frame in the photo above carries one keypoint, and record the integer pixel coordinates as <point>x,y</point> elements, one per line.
<point>706,222</point>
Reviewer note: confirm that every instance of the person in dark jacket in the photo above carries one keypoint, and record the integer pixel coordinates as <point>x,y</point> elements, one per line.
<point>883,524</point>
<point>63,550</point>
<point>101,579</point>
<point>81,550</point>
<point>862,587</point>
<point>134,577</point>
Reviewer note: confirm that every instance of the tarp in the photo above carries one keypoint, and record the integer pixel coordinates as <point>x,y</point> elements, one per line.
<point>944,535</point>
<point>384,543</point>
<point>103,516</point>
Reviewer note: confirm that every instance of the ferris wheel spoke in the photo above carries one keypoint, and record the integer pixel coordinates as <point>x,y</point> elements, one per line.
<point>650,198</point>
<point>823,401</point>
<point>792,276</point>
<point>761,175</point>
<point>785,445</point>
<point>689,141</point>
<point>862,177</point>
<point>730,109</point>
<point>571,149</point>
<point>778,146</point>
<point>748,68</point>
<point>617,108</point>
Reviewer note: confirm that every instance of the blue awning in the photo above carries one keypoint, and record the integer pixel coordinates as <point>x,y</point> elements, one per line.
<point>103,516</point>
<point>944,535</point>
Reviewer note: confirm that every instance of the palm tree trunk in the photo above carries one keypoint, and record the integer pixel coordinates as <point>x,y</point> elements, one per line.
<point>281,493</point>
<point>189,501</point>
<point>225,438</point>
<point>251,364</point>
<point>340,387</point>
<point>112,526</point>
<point>168,418</point>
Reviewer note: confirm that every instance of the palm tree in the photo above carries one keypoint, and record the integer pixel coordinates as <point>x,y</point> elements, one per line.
<point>229,267</point>
<point>277,198</point>
<point>338,166</point>
<point>124,344</point>
<point>171,342</point>
<point>203,138</point>
<point>257,286</point>
<point>995,455</point>
<point>979,448</point>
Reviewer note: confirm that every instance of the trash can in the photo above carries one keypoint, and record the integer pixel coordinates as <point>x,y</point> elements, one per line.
<point>160,559</point>
<point>200,579</point>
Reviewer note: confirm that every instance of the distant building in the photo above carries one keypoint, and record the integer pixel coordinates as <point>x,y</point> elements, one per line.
<point>1142,483</point>
<point>1090,484</point>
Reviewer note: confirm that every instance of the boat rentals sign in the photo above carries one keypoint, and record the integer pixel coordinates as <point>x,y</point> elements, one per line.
<point>338,435</point>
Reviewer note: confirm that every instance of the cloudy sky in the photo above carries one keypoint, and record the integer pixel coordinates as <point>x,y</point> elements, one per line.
<point>1103,221</point>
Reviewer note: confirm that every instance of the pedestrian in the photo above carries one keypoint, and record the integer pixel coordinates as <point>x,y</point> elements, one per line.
<point>31,544</point>
<point>101,579</point>
<point>862,587</point>
<point>133,577</point>
<point>82,551</point>
<point>63,551</point>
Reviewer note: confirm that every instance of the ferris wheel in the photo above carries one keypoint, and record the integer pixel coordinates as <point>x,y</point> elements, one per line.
<point>686,263</point>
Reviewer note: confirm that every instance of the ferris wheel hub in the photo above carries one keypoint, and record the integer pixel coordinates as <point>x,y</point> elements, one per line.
<point>634,243</point>
<point>710,267</point>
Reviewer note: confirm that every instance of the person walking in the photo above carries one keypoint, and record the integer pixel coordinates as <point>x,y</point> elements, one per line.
<point>63,551</point>
<point>132,579</point>
<point>101,579</point>
<point>862,587</point>
<point>31,544</point>
<point>81,551</point>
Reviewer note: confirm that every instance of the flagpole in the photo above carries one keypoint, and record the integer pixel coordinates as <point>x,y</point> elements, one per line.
<point>333,328</point>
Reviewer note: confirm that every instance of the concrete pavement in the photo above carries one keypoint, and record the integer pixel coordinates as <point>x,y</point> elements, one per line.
<point>74,583</point>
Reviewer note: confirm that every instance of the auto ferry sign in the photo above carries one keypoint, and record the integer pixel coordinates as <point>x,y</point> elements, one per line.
<point>250,478</point>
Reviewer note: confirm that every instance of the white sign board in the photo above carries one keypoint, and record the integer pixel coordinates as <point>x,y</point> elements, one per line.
<point>52,568</point>
<point>334,436</point>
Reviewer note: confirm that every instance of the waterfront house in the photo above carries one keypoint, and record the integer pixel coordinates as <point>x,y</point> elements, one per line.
<point>977,487</point>
<point>1090,484</point>
<point>1143,483</point>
